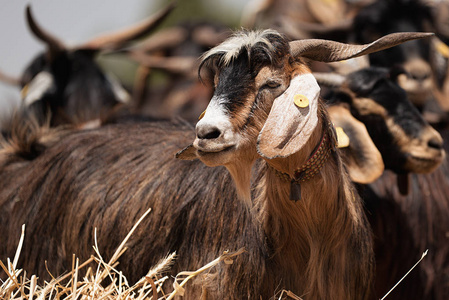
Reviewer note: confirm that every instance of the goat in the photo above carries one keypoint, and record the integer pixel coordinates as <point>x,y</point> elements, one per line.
<point>405,140</point>
<point>67,86</point>
<point>319,246</point>
<point>405,220</point>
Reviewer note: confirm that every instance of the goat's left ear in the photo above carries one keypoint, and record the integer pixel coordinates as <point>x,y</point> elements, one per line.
<point>289,126</point>
<point>361,157</point>
<point>188,153</point>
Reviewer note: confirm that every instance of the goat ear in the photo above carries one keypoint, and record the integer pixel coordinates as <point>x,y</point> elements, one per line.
<point>288,126</point>
<point>361,157</point>
<point>188,153</point>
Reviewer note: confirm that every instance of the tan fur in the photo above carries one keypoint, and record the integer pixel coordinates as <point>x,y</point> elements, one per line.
<point>312,235</point>
<point>422,159</point>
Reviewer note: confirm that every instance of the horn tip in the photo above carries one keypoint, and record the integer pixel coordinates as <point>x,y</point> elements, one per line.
<point>28,10</point>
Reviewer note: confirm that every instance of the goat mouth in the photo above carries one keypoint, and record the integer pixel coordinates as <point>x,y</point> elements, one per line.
<point>421,164</point>
<point>203,152</point>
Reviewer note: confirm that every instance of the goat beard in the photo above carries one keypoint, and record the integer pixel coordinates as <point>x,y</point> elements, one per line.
<point>240,171</point>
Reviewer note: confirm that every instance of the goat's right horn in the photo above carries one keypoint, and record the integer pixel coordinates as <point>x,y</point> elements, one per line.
<point>115,40</point>
<point>329,51</point>
<point>55,46</point>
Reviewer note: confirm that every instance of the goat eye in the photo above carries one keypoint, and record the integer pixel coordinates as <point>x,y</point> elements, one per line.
<point>271,85</point>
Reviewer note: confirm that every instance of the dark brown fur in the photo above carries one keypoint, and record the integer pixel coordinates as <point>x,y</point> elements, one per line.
<point>404,227</point>
<point>107,178</point>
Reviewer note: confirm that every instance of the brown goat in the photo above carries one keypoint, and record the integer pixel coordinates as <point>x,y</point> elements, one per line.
<point>319,246</point>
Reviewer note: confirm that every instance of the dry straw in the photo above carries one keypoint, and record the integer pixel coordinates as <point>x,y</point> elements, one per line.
<point>71,287</point>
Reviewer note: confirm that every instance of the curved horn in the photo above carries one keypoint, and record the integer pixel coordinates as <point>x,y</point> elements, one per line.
<point>54,45</point>
<point>329,51</point>
<point>9,79</point>
<point>115,40</point>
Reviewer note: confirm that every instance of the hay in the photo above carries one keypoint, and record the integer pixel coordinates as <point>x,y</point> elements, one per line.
<point>70,286</point>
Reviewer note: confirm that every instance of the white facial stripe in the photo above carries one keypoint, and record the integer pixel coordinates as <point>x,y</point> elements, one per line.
<point>37,87</point>
<point>120,93</point>
<point>216,121</point>
<point>215,114</point>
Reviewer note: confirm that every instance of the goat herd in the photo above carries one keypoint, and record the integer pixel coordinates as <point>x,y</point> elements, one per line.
<point>328,158</point>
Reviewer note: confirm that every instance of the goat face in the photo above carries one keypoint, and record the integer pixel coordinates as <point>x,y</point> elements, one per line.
<point>244,93</point>
<point>71,85</point>
<point>406,141</point>
<point>66,82</point>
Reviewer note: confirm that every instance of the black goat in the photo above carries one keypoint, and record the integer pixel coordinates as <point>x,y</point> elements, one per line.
<point>427,68</point>
<point>67,86</point>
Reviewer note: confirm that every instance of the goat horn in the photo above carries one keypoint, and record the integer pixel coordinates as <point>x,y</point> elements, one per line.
<point>54,45</point>
<point>329,51</point>
<point>329,79</point>
<point>9,79</point>
<point>115,40</point>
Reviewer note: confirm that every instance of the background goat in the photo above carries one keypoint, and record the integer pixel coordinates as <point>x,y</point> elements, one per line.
<point>424,60</point>
<point>68,84</point>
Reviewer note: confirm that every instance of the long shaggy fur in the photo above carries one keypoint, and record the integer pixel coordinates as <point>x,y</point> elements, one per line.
<point>319,247</point>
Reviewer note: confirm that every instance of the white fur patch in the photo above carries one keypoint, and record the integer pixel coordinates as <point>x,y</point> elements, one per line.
<point>37,87</point>
<point>232,46</point>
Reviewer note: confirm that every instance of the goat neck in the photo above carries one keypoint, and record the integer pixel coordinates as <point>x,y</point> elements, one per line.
<point>303,234</point>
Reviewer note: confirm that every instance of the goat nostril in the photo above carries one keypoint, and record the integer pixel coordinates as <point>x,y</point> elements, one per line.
<point>435,143</point>
<point>208,133</point>
<point>420,76</point>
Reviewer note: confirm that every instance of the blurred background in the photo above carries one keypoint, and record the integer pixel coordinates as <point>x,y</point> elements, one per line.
<point>78,21</point>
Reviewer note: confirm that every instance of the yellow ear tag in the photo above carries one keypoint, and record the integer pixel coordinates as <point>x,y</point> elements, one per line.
<point>342,138</point>
<point>301,100</point>
<point>202,115</point>
<point>442,48</point>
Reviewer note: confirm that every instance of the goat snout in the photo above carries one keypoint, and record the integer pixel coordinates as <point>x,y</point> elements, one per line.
<point>433,140</point>
<point>435,143</point>
<point>214,135</point>
<point>426,152</point>
<point>207,132</point>
<point>214,131</point>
